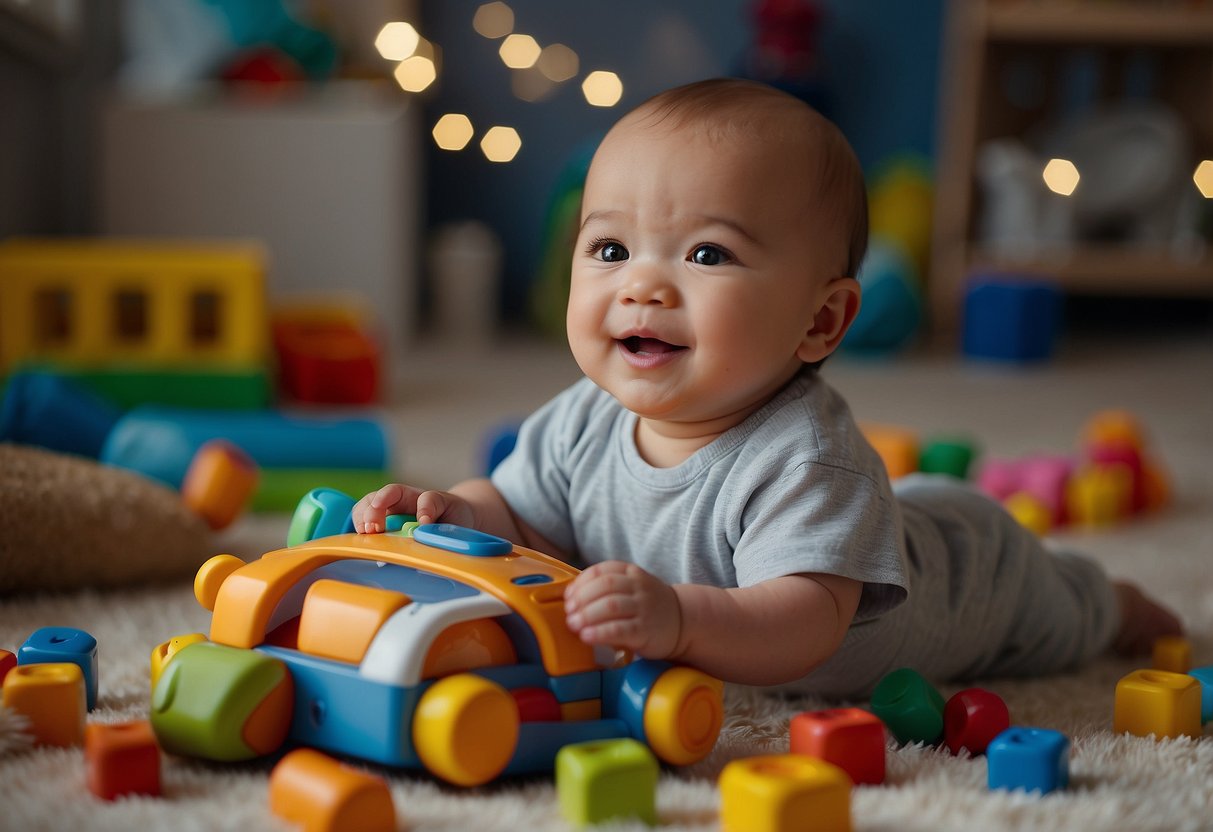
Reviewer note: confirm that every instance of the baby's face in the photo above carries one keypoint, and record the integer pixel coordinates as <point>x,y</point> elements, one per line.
<point>697,272</point>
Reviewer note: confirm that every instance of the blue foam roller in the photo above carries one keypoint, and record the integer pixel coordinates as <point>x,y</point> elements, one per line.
<point>46,409</point>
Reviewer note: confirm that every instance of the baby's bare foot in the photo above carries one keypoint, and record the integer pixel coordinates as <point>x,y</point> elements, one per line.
<point>1142,620</point>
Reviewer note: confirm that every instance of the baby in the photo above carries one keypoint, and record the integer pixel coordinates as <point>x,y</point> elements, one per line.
<point>731,514</point>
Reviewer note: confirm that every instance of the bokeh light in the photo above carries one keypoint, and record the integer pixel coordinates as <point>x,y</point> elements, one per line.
<point>1203,177</point>
<point>453,131</point>
<point>558,63</point>
<point>519,51</point>
<point>602,88</point>
<point>501,144</point>
<point>531,85</point>
<point>416,73</point>
<point>494,20</point>
<point>397,40</point>
<point>1061,176</point>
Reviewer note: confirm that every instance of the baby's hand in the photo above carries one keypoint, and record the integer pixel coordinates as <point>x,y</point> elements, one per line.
<point>370,513</point>
<point>621,605</point>
<point>1142,620</point>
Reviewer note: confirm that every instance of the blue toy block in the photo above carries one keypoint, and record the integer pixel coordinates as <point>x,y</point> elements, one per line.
<point>45,409</point>
<point>50,645</point>
<point>1204,675</point>
<point>1033,759</point>
<point>1011,319</point>
<point>160,442</point>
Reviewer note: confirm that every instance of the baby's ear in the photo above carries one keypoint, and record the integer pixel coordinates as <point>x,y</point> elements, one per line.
<point>834,317</point>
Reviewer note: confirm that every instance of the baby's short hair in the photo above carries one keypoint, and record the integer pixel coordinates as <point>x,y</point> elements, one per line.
<point>731,106</point>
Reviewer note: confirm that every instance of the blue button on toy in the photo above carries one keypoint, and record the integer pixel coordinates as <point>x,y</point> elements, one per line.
<point>462,540</point>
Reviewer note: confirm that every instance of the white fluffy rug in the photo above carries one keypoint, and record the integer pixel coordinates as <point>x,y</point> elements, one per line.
<point>1118,782</point>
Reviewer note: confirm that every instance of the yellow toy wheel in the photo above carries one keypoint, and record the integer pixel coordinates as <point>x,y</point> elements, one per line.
<point>683,715</point>
<point>465,729</point>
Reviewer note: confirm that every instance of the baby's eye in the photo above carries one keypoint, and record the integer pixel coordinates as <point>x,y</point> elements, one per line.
<point>608,252</point>
<point>709,256</point>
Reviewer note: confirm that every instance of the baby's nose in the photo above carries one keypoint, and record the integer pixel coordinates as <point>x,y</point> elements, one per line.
<point>647,285</point>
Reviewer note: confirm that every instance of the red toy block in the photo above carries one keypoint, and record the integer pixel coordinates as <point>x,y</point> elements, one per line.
<point>536,705</point>
<point>7,662</point>
<point>326,359</point>
<point>850,738</point>
<point>122,759</point>
<point>322,795</point>
<point>219,482</point>
<point>972,718</point>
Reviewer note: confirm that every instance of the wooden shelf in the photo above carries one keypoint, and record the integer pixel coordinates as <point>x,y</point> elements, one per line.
<point>1031,21</point>
<point>1109,270</point>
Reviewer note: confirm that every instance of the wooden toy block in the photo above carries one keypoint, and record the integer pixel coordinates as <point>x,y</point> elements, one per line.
<point>850,738</point>
<point>1157,702</point>
<point>7,662</point>
<point>122,759</point>
<point>52,696</point>
<point>973,718</point>
<point>163,653</point>
<point>1031,513</point>
<point>1032,759</point>
<point>947,456</point>
<point>1098,496</point>
<point>64,644</point>
<point>1204,676</point>
<point>1173,653</point>
<point>319,794</point>
<point>604,780</point>
<point>219,482</point>
<point>910,707</point>
<point>897,448</point>
<point>1000,478</point>
<point>1113,427</point>
<point>784,793</point>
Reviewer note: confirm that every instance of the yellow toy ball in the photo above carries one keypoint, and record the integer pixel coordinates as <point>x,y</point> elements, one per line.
<point>900,208</point>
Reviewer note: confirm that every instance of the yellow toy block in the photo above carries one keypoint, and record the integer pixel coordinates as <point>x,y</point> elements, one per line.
<point>1099,495</point>
<point>163,653</point>
<point>340,619</point>
<point>1031,513</point>
<point>1157,702</point>
<point>52,697</point>
<point>319,794</point>
<point>782,793</point>
<point>1172,653</point>
<point>897,447</point>
<point>91,302</point>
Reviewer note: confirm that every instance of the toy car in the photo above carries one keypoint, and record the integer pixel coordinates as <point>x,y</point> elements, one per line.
<point>434,647</point>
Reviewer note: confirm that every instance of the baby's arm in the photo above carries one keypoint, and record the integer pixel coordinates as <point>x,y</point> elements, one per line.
<point>770,633</point>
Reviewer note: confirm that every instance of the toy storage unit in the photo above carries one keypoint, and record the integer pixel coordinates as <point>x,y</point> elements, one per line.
<point>989,42</point>
<point>328,178</point>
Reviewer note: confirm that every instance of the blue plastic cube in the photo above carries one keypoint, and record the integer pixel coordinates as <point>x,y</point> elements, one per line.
<point>1011,319</point>
<point>1204,675</point>
<point>64,644</point>
<point>1032,759</point>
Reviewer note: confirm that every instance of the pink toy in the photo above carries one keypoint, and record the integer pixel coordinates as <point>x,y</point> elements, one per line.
<point>1044,477</point>
<point>1000,478</point>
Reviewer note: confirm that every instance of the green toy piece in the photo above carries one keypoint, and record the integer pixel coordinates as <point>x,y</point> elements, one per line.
<point>280,489</point>
<point>909,706</point>
<point>202,387</point>
<point>208,701</point>
<point>604,779</point>
<point>947,456</point>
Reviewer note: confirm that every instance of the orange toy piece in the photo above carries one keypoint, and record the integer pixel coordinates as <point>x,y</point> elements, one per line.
<point>340,619</point>
<point>850,738</point>
<point>322,795</point>
<point>122,759</point>
<point>7,662</point>
<point>52,697</point>
<point>219,482</point>
<point>897,447</point>
<point>1173,653</point>
<point>1113,427</point>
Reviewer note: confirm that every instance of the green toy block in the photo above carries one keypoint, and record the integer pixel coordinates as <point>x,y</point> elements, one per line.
<point>909,706</point>
<point>604,779</point>
<point>281,489</point>
<point>947,456</point>
<point>212,702</point>
<point>186,386</point>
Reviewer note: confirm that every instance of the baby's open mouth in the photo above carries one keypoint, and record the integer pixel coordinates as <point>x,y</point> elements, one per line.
<point>648,346</point>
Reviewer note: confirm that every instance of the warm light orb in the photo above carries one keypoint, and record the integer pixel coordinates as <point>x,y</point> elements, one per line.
<point>397,40</point>
<point>531,85</point>
<point>416,73</point>
<point>519,51</point>
<point>453,131</point>
<point>494,20</point>
<point>501,144</point>
<point>1203,177</point>
<point>1061,176</point>
<point>602,88</point>
<point>558,63</point>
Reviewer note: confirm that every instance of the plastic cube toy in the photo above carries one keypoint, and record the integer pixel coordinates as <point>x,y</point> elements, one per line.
<point>1204,676</point>
<point>319,794</point>
<point>219,482</point>
<point>947,456</point>
<point>897,448</point>
<point>600,780</point>
<point>1014,319</point>
<point>850,738</point>
<point>972,718</point>
<point>1173,653</point>
<point>1158,702</point>
<point>122,759</point>
<point>64,644</point>
<point>784,793</point>
<point>1032,759</point>
<point>7,662</point>
<point>51,695</point>
<point>909,706</point>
